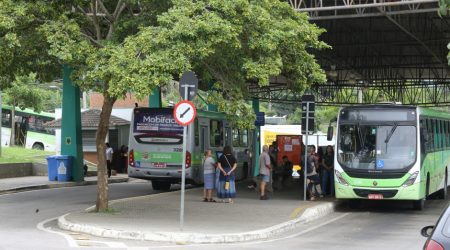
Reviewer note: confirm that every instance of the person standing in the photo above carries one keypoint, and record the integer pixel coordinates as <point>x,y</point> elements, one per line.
<point>227,164</point>
<point>312,177</point>
<point>209,172</point>
<point>264,171</point>
<point>109,157</point>
<point>328,171</point>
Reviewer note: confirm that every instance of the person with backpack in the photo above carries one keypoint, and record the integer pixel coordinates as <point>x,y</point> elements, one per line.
<point>312,177</point>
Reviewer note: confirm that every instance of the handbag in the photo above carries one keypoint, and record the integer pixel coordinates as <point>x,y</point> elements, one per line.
<point>227,185</point>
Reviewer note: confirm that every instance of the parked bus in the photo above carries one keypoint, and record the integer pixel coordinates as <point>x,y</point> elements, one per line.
<point>156,145</point>
<point>387,151</point>
<point>29,129</point>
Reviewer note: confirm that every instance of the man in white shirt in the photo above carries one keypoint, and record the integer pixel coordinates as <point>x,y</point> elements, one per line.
<point>109,157</point>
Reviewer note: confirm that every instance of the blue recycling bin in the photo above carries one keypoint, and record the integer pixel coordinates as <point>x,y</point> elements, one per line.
<point>64,167</point>
<point>51,168</point>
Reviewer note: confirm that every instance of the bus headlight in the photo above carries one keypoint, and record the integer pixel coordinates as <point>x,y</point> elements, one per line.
<point>340,179</point>
<point>411,179</point>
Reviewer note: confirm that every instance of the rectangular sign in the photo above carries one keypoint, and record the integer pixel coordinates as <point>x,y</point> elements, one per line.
<point>161,120</point>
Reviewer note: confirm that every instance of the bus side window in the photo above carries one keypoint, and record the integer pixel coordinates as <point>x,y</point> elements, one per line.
<point>235,137</point>
<point>216,133</point>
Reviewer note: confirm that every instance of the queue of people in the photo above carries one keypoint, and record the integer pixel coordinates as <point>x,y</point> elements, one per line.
<point>220,175</point>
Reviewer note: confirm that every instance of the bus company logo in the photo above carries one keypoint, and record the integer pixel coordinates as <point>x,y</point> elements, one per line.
<point>375,183</point>
<point>158,119</point>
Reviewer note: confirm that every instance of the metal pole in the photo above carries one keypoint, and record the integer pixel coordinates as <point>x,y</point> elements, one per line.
<point>306,151</point>
<point>183,167</point>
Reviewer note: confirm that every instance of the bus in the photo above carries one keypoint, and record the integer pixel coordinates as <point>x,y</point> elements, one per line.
<point>30,131</point>
<point>156,145</point>
<point>393,152</point>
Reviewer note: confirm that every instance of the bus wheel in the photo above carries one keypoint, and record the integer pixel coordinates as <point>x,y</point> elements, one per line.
<point>354,204</point>
<point>443,191</point>
<point>38,146</point>
<point>159,185</point>
<point>419,205</point>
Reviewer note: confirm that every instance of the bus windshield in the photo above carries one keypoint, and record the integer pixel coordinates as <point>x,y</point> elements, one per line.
<point>377,147</point>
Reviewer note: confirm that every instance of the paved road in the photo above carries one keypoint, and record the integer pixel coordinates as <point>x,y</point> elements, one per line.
<point>380,225</point>
<point>22,212</point>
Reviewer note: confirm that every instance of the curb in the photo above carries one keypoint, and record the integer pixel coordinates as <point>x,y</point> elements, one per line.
<point>310,214</point>
<point>59,185</point>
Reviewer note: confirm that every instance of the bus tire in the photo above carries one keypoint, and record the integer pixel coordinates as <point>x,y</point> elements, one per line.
<point>419,204</point>
<point>160,185</point>
<point>38,146</point>
<point>443,191</point>
<point>354,204</point>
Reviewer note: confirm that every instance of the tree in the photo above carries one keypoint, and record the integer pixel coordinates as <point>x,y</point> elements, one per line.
<point>121,46</point>
<point>24,93</point>
<point>89,36</point>
<point>234,43</point>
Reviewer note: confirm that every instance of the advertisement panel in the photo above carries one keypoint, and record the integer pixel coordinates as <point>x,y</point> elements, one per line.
<point>156,121</point>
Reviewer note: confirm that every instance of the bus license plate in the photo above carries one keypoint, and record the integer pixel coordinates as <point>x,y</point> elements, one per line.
<point>159,165</point>
<point>375,197</point>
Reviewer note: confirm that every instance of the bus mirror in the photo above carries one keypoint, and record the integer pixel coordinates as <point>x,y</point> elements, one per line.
<point>330,133</point>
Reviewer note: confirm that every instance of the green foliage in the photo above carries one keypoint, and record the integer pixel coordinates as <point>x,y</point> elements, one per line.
<point>22,46</point>
<point>234,43</point>
<point>25,93</point>
<point>323,115</point>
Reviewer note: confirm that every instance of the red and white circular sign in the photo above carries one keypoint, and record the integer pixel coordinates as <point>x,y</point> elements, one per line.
<point>184,113</point>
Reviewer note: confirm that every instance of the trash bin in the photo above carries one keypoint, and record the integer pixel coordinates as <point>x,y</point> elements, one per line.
<point>51,168</point>
<point>64,167</point>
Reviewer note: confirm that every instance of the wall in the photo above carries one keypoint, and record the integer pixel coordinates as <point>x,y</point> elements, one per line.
<point>12,170</point>
<point>96,101</point>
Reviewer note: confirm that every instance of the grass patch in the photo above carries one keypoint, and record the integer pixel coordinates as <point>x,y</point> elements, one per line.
<point>23,155</point>
<point>109,210</point>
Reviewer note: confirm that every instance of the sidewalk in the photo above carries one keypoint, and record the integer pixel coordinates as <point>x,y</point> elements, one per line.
<point>19,184</point>
<point>157,217</point>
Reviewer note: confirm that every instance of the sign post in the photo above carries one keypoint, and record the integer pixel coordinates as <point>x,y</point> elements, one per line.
<point>184,114</point>
<point>308,103</point>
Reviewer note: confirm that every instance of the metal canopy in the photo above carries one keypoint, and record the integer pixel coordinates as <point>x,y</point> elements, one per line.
<point>382,51</point>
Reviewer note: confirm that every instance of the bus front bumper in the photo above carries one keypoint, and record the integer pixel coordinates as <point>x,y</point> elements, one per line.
<point>412,192</point>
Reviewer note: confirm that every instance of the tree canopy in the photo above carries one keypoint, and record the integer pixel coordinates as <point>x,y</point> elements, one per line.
<point>124,46</point>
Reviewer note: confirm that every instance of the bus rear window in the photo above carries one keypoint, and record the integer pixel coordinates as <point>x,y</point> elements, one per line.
<point>156,126</point>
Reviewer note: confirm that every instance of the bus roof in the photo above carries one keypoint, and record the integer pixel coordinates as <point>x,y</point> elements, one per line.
<point>434,113</point>
<point>29,112</point>
<point>422,110</point>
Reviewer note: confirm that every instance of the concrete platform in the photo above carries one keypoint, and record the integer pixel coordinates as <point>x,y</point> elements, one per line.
<point>157,217</point>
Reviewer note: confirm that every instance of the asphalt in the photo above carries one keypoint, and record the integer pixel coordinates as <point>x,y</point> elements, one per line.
<point>156,217</point>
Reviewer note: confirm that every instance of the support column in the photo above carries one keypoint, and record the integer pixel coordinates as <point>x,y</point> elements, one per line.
<point>154,100</point>
<point>256,140</point>
<point>71,143</point>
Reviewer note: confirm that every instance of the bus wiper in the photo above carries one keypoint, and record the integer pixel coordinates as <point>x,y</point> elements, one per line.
<point>391,133</point>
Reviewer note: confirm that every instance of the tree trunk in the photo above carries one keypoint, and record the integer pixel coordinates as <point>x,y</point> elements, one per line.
<point>102,176</point>
<point>12,137</point>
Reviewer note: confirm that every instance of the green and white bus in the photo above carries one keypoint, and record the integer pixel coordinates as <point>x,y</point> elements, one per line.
<point>387,151</point>
<point>30,131</point>
<point>156,145</point>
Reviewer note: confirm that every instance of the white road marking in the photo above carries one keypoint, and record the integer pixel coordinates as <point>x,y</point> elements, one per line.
<point>70,240</point>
